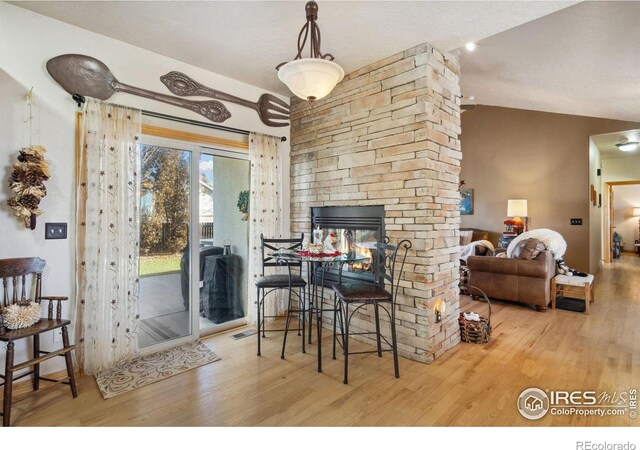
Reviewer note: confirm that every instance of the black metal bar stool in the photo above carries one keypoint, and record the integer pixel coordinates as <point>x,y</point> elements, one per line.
<point>375,294</point>
<point>279,282</point>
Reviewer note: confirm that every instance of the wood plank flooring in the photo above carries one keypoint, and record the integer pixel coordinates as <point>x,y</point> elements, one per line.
<point>470,385</point>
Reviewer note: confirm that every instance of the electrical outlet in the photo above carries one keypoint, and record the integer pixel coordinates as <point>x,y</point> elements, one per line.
<point>57,336</point>
<point>576,221</point>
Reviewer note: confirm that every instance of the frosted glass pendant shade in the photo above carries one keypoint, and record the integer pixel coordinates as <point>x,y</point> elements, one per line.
<point>311,78</point>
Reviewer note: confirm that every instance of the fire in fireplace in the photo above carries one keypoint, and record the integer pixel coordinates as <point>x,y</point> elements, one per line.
<point>357,228</point>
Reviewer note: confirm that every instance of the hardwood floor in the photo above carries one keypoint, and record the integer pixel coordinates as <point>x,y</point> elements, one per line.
<point>471,385</point>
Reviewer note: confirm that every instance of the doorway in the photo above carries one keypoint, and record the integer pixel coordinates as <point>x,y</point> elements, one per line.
<point>622,228</point>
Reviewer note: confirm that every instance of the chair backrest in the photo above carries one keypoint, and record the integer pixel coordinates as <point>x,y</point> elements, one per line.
<point>14,272</point>
<point>269,245</point>
<point>386,268</point>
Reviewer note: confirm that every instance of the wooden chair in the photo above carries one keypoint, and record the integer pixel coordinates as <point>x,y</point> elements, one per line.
<point>15,272</point>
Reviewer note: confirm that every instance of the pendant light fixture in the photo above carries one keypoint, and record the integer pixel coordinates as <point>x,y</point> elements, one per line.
<point>314,77</point>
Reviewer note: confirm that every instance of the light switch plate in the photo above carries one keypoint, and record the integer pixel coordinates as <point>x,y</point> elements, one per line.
<point>55,230</point>
<point>576,221</point>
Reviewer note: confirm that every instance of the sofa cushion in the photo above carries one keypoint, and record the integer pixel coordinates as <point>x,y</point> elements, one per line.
<point>528,249</point>
<point>574,280</point>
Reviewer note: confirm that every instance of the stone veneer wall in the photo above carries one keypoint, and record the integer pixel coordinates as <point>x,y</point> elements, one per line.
<point>388,135</point>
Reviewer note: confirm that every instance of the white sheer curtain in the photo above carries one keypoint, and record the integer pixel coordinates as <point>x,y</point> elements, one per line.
<point>265,215</point>
<point>107,236</point>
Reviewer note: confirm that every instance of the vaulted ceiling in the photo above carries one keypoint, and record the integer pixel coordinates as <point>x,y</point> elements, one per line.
<point>582,60</point>
<point>245,40</point>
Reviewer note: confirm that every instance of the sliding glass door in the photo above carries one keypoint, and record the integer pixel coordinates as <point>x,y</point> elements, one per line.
<point>165,229</point>
<point>191,194</point>
<point>224,238</point>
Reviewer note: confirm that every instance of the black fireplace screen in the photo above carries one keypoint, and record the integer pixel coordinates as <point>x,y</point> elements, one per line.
<point>357,228</point>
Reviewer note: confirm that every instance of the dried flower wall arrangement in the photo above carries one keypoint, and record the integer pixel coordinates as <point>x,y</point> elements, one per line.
<point>27,181</point>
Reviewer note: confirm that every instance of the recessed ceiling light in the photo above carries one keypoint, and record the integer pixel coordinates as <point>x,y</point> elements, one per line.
<point>471,46</point>
<point>627,146</point>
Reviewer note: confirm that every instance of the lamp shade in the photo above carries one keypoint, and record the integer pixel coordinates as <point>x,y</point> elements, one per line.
<point>636,212</point>
<point>311,78</point>
<point>517,208</point>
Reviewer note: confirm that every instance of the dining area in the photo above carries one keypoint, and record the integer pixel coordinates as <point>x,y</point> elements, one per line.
<point>309,276</point>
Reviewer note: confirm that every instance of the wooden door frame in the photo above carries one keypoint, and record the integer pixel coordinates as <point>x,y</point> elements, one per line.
<point>607,231</point>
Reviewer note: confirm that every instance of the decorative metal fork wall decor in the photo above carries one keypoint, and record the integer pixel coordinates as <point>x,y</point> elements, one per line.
<point>82,75</point>
<point>270,108</point>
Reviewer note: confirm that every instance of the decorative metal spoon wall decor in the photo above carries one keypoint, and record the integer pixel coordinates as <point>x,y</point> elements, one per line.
<point>271,110</point>
<point>87,76</point>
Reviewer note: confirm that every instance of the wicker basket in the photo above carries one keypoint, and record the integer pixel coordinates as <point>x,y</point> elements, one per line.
<point>476,332</point>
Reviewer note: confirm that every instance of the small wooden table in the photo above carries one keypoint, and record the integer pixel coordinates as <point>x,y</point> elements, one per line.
<point>573,286</point>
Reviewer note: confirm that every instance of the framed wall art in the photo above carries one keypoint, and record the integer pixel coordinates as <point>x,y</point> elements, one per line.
<point>466,202</point>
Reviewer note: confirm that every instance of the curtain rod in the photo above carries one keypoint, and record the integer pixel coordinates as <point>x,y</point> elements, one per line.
<point>199,123</point>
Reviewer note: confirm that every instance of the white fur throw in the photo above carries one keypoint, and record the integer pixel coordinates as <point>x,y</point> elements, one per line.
<point>19,316</point>
<point>553,240</point>
<point>470,249</point>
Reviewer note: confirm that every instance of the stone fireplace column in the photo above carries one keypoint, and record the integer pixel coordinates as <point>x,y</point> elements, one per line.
<point>388,135</point>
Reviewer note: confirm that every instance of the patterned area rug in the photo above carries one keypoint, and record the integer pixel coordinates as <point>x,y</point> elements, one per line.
<point>148,369</point>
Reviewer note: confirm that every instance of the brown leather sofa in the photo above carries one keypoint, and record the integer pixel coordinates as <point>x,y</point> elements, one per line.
<point>518,280</point>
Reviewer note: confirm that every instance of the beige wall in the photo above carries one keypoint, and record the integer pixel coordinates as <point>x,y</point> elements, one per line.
<point>543,157</point>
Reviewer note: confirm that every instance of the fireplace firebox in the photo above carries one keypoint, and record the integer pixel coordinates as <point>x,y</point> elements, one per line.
<point>363,226</point>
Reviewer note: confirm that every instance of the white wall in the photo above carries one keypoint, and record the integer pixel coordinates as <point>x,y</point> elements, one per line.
<point>621,169</point>
<point>27,41</point>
